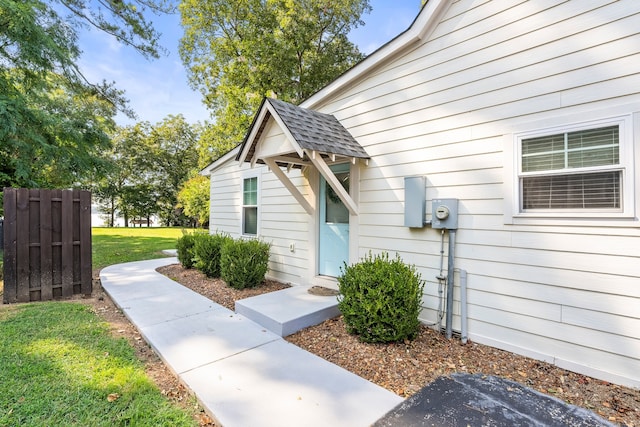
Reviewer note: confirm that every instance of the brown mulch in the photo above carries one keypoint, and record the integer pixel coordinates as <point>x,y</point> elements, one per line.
<point>216,289</point>
<point>403,368</point>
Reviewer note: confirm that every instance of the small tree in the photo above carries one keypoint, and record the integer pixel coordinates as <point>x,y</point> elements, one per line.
<point>193,198</point>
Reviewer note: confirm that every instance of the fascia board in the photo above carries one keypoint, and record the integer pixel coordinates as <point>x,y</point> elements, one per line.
<point>421,27</point>
<point>207,171</point>
<point>254,130</point>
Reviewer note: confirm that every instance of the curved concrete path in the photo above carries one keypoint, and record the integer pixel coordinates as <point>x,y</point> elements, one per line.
<point>242,374</point>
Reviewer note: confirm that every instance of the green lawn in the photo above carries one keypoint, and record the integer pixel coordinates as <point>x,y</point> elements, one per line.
<point>61,367</point>
<point>125,244</point>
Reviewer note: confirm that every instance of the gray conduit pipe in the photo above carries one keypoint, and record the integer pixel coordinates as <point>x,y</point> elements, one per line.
<point>450,272</point>
<point>463,306</point>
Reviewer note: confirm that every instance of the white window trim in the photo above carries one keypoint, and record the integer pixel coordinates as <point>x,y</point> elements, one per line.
<point>629,202</point>
<point>247,175</point>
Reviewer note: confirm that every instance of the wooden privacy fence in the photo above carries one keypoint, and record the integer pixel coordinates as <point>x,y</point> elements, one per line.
<point>47,244</point>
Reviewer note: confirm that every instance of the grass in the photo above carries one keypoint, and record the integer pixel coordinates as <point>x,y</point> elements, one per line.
<point>125,244</point>
<point>61,366</point>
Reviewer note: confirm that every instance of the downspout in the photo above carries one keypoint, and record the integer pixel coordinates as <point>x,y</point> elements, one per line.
<point>450,273</point>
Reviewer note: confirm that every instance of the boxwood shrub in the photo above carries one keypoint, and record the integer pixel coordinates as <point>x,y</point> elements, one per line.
<point>184,247</point>
<point>207,251</point>
<point>380,299</point>
<point>244,263</point>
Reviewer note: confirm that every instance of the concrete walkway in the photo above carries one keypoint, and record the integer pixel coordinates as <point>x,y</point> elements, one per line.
<point>243,375</point>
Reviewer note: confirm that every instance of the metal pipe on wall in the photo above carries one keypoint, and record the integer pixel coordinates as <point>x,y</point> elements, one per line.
<point>463,306</point>
<point>450,273</point>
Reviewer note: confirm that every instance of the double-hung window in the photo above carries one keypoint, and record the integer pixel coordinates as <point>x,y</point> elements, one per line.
<point>578,170</point>
<point>250,206</point>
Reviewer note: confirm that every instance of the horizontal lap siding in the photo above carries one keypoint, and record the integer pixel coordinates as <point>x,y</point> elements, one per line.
<point>224,215</point>
<point>282,221</point>
<point>564,291</point>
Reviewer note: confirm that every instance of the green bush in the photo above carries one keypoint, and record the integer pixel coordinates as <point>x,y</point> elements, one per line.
<point>380,299</point>
<point>244,263</point>
<point>185,248</point>
<point>207,251</point>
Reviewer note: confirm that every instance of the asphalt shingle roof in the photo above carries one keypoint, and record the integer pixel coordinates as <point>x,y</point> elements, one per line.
<point>312,130</point>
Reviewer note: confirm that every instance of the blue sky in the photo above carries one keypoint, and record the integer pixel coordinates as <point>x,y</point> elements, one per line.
<point>159,87</point>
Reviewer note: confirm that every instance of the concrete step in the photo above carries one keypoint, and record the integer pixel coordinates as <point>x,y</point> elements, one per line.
<point>289,310</point>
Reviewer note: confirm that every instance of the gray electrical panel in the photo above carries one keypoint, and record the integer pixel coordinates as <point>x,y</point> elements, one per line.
<point>414,201</point>
<point>444,214</point>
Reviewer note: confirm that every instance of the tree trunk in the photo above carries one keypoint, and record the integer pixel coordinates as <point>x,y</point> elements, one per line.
<point>112,213</point>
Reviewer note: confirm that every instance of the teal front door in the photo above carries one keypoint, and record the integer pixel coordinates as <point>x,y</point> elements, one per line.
<point>334,225</point>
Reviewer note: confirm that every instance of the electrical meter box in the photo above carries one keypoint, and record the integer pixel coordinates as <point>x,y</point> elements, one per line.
<point>415,200</point>
<point>444,214</point>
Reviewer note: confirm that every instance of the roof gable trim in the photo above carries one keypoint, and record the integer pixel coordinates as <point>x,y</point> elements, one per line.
<point>207,171</point>
<point>420,29</point>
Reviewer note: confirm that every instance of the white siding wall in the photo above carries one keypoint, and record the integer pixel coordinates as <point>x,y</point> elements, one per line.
<point>564,291</point>
<point>285,223</point>
<point>282,222</point>
<point>226,196</point>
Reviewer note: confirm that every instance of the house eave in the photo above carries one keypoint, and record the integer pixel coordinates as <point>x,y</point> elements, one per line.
<point>207,171</point>
<point>422,26</point>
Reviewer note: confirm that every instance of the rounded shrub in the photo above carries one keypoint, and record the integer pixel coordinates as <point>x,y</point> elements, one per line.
<point>244,263</point>
<point>380,299</point>
<point>184,247</point>
<point>207,251</point>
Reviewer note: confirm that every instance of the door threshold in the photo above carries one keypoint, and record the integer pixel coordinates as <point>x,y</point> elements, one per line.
<point>325,281</point>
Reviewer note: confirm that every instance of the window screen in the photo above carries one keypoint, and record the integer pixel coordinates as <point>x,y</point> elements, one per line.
<point>569,170</point>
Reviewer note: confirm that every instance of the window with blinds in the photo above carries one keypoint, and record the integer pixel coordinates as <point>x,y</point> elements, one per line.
<point>572,170</point>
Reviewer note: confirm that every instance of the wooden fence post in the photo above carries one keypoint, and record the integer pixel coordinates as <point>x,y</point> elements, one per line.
<point>86,283</point>
<point>10,213</point>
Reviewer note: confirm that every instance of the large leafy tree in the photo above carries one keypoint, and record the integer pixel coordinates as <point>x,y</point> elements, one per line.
<point>54,123</point>
<point>173,158</point>
<point>51,132</point>
<point>238,51</point>
<point>115,191</point>
<point>149,164</point>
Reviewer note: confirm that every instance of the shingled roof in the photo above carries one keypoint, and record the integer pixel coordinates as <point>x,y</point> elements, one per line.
<point>315,131</point>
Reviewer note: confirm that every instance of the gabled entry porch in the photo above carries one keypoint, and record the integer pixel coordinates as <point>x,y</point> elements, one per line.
<point>286,137</point>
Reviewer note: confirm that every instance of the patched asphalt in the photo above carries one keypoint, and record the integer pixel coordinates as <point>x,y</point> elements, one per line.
<point>462,400</point>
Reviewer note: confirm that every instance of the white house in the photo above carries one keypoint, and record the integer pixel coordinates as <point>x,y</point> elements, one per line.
<point>524,116</point>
